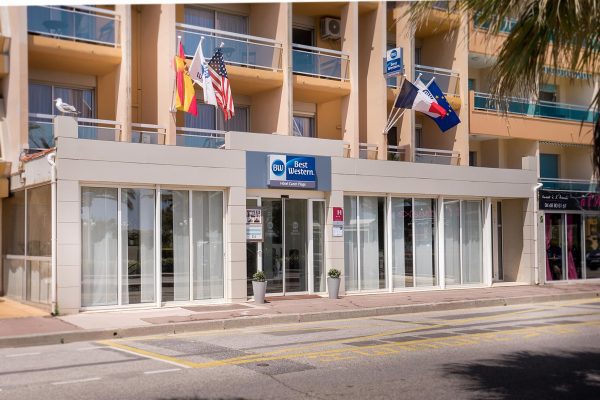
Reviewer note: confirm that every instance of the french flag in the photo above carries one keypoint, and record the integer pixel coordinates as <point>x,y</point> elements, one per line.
<point>419,100</point>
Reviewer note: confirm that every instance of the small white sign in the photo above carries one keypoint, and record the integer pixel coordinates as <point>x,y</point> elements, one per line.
<point>338,230</point>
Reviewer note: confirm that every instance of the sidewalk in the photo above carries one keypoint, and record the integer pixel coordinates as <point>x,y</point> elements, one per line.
<point>38,330</point>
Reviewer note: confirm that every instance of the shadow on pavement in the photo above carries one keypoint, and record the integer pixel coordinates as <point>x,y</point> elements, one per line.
<point>527,375</point>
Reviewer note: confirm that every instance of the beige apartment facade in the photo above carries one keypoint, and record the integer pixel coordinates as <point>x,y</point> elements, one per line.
<point>129,204</point>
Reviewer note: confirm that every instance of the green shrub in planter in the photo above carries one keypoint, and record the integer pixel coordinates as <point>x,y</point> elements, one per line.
<point>259,276</point>
<point>334,273</point>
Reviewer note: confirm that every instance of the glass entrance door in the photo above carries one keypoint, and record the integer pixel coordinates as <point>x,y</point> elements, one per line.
<point>291,254</point>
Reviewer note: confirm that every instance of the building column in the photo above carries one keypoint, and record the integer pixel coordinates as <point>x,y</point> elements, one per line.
<point>235,249</point>
<point>165,73</point>
<point>123,100</point>
<point>350,103</point>
<point>441,257</point>
<point>334,246</point>
<point>405,38</point>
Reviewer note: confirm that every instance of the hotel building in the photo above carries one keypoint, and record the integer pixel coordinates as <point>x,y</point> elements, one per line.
<point>129,204</point>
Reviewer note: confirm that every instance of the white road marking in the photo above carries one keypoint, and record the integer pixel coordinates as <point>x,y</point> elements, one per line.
<point>76,381</point>
<point>22,354</point>
<point>160,371</point>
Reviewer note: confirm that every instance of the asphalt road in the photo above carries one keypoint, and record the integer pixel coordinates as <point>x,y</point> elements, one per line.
<point>541,351</point>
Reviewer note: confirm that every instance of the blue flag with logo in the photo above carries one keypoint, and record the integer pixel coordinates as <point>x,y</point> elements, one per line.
<point>451,119</point>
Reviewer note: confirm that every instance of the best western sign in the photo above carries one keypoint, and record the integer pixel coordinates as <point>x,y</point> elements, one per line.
<point>292,172</point>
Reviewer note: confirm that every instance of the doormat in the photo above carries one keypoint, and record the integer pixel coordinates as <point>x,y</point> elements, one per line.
<point>293,297</point>
<point>220,307</point>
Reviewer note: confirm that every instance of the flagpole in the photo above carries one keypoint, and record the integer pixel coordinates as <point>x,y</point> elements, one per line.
<point>393,105</point>
<point>175,82</point>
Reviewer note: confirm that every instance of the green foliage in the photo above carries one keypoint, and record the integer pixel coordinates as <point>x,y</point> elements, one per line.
<point>334,273</point>
<point>259,276</point>
<point>542,33</point>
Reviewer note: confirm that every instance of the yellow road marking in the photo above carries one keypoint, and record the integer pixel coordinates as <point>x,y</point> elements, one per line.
<point>149,354</point>
<point>345,353</point>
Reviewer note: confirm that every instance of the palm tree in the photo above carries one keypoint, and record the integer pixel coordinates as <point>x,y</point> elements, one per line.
<point>545,32</point>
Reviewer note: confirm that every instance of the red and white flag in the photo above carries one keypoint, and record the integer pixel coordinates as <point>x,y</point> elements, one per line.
<point>218,75</point>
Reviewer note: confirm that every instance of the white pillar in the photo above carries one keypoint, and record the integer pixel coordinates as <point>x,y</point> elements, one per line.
<point>487,242</point>
<point>440,243</point>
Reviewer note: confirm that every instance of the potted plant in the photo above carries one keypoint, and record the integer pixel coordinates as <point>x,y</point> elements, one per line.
<point>333,282</point>
<point>259,286</point>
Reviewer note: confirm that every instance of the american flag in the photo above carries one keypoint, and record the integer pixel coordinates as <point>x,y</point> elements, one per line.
<point>218,75</point>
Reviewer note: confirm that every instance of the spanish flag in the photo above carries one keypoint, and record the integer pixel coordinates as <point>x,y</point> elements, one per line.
<point>186,96</point>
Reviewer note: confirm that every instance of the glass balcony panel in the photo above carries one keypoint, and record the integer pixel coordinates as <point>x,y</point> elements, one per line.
<point>205,138</point>
<point>41,131</point>
<point>148,134</point>
<point>572,185</point>
<point>73,23</point>
<point>434,156</point>
<point>96,129</point>
<point>309,61</point>
<point>447,80</point>
<point>237,49</point>
<point>544,109</point>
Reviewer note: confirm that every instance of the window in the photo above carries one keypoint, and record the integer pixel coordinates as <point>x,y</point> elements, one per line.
<point>304,126</point>
<point>42,96</point>
<point>418,136</point>
<point>471,84</point>
<point>303,36</point>
<point>417,55</point>
<point>548,92</point>
<point>219,20</point>
<point>123,221</point>
<point>472,158</point>
<point>549,166</point>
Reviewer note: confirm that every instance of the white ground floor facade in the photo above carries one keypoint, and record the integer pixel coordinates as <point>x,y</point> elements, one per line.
<point>137,225</point>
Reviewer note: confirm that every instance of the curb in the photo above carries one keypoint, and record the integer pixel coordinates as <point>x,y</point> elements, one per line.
<point>274,319</point>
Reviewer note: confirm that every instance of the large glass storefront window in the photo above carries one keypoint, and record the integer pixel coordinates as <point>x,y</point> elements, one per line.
<point>99,246</point>
<point>463,246</point>
<point>190,236</point>
<point>565,247</point>
<point>27,244</point>
<point>364,243</point>
<point>592,246</point>
<point>424,238</point>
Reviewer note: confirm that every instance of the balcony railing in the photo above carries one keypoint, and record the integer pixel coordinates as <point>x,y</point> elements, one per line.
<point>367,151</point>
<point>206,138</point>
<point>41,131</point>
<point>322,63</point>
<point>98,129</point>
<point>147,133</point>
<point>573,185</point>
<point>238,49</point>
<point>396,153</point>
<point>434,156</point>
<point>543,109</point>
<point>506,27</point>
<point>81,23</point>
<point>446,79</point>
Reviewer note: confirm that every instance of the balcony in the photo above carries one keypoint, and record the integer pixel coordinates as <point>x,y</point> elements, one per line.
<point>507,25</point>
<point>571,185</point>
<point>542,109</point>
<point>434,156</point>
<point>204,138</point>
<point>98,129</point>
<point>367,151</point>
<point>148,134</point>
<point>546,121</point>
<point>78,23</point>
<point>320,63</point>
<point>77,39</point>
<point>238,49</point>
<point>397,153</point>
<point>446,79</point>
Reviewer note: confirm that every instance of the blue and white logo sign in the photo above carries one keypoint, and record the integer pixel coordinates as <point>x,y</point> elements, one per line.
<point>292,171</point>
<point>394,62</point>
